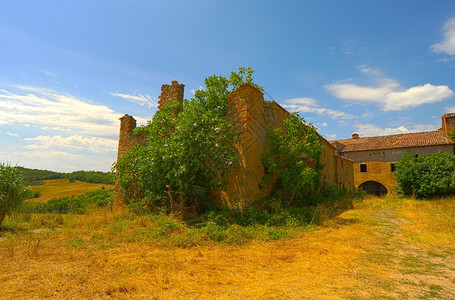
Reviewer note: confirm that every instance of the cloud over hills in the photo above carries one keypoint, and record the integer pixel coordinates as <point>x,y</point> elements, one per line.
<point>63,131</point>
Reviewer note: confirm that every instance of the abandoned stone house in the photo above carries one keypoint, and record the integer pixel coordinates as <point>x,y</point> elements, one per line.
<point>375,157</point>
<point>253,118</point>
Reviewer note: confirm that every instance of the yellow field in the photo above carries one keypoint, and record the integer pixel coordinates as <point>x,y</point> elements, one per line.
<point>382,248</point>
<point>64,188</point>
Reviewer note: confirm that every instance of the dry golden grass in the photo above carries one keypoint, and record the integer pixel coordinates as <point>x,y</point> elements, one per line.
<point>367,252</point>
<point>57,188</point>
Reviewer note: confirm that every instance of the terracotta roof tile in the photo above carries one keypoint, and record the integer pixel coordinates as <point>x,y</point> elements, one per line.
<point>406,140</point>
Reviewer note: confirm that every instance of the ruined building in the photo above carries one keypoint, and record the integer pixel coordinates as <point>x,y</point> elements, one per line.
<point>375,157</point>
<point>253,118</point>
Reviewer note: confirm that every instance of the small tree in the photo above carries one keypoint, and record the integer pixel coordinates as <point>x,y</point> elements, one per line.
<point>293,156</point>
<point>13,191</point>
<point>426,176</point>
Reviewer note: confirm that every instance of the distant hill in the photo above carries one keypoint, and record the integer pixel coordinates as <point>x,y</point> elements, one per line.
<point>36,176</point>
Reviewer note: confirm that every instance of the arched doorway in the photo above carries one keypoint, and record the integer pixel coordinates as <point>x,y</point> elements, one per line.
<point>373,188</point>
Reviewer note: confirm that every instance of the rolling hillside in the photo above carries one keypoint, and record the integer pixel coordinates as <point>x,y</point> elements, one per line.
<point>56,188</point>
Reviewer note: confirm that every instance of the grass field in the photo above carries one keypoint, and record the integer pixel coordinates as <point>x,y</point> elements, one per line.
<point>57,188</point>
<point>382,248</point>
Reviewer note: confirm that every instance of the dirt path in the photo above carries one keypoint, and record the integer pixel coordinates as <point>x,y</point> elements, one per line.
<point>416,270</point>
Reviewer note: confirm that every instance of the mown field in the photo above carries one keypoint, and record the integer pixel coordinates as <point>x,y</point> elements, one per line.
<point>56,188</point>
<point>380,248</point>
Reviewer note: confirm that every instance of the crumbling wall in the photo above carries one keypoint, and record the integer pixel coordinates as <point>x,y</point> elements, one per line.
<point>127,140</point>
<point>246,113</point>
<point>171,93</point>
<point>253,119</point>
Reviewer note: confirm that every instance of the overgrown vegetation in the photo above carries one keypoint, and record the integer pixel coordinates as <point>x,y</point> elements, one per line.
<point>262,221</point>
<point>190,151</point>
<point>293,158</point>
<point>75,204</point>
<point>13,191</point>
<point>428,175</point>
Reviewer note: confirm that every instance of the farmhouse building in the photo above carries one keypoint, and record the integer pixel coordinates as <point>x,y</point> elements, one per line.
<point>375,157</point>
<point>252,118</point>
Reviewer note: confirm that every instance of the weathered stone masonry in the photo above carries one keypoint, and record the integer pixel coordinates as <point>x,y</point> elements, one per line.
<point>252,118</point>
<point>374,157</point>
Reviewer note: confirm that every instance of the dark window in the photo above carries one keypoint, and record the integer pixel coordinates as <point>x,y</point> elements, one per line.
<point>363,168</point>
<point>392,167</point>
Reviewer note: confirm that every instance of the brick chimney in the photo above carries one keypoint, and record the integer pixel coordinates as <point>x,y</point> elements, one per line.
<point>171,93</point>
<point>355,135</point>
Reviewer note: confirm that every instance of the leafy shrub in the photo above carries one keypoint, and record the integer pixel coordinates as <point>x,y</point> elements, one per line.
<point>293,157</point>
<point>12,189</point>
<point>426,176</point>
<point>75,204</point>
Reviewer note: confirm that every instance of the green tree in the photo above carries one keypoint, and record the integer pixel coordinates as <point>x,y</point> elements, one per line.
<point>426,176</point>
<point>188,154</point>
<point>293,157</point>
<point>13,191</point>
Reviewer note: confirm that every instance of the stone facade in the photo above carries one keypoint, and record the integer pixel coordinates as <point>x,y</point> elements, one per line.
<point>252,118</point>
<point>374,157</point>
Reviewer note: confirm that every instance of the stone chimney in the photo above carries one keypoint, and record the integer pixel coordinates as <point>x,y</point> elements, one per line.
<point>171,93</point>
<point>448,123</point>
<point>355,135</point>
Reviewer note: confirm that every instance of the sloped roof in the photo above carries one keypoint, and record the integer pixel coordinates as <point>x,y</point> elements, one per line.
<point>406,140</point>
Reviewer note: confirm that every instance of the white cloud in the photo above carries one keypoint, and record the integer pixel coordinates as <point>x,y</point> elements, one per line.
<point>50,109</point>
<point>450,109</point>
<point>388,93</point>
<point>74,142</point>
<point>447,46</point>
<point>88,137</point>
<point>193,91</point>
<point>417,96</point>
<point>309,105</point>
<point>61,161</point>
<point>331,137</point>
<point>12,134</point>
<point>142,100</point>
<point>55,128</point>
<point>365,130</point>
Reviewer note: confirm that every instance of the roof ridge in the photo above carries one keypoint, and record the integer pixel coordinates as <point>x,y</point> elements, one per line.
<point>387,135</point>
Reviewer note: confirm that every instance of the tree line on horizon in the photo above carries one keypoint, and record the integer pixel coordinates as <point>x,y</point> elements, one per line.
<point>36,176</point>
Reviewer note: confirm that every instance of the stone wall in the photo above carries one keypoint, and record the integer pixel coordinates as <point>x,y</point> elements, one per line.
<point>448,123</point>
<point>127,140</point>
<point>171,93</point>
<point>378,171</point>
<point>378,163</point>
<point>252,118</point>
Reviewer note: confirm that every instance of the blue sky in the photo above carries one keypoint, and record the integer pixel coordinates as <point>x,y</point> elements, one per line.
<point>70,69</point>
